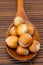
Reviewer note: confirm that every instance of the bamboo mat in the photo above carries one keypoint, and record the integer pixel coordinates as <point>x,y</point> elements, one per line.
<point>34,10</point>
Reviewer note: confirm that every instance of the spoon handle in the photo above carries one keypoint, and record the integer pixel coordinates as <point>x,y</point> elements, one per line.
<point>20,9</point>
<point>20,5</point>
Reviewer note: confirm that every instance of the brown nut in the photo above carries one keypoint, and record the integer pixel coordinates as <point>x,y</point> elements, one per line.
<point>35,46</point>
<point>25,40</point>
<point>31,29</point>
<point>22,28</point>
<point>12,41</point>
<point>22,51</point>
<point>18,20</point>
<point>13,31</point>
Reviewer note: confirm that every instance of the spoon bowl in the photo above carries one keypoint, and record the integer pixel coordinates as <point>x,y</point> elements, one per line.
<point>12,52</point>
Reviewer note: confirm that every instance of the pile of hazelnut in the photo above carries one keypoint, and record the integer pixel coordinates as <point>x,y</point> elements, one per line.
<point>21,37</point>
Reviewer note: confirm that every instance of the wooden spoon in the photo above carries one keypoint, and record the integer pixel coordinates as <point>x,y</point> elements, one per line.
<point>12,52</point>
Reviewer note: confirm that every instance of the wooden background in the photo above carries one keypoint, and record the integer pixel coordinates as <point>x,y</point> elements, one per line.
<point>34,10</point>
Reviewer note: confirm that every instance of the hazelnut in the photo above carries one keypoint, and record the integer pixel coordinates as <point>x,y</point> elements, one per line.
<point>22,28</point>
<point>35,46</point>
<point>12,41</point>
<point>31,29</point>
<point>25,40</point>
<point>18,20</point>
<point>22,51</point>
<point>13,31</point>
